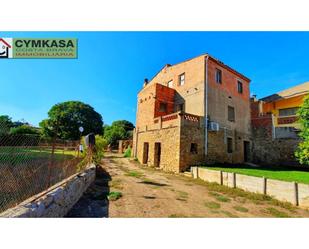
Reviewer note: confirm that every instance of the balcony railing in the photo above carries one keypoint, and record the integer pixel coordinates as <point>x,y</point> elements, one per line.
<point>286,120</point>
<point>176,119</point>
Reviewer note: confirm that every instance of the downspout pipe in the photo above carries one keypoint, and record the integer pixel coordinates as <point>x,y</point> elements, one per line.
<point>206,104</point>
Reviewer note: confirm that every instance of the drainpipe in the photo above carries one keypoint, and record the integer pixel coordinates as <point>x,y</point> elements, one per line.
<point>206,104</point>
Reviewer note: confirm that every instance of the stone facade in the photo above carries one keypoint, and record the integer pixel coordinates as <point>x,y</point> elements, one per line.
<point>172,110</point>
<point>56,201</point>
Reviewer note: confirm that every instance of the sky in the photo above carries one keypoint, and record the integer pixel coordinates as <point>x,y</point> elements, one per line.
<point>111,67</point>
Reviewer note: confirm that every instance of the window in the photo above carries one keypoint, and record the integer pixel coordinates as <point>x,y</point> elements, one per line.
<point>231,114</point>
<point>163,107</point>
<point>229,145</point>
<point>193,148</point>
<point>182,79</point>
<point>170,83</point>
<point>239,86</point>
<point>288,111</point>
<point>180,107</point>
<point>218,76</point>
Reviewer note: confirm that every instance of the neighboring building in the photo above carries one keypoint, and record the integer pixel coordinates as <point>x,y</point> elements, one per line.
<point>172,131</point>
<point>280,110</point>
<point>275,127</point>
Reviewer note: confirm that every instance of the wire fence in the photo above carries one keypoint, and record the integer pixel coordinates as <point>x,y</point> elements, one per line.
<point>30,165</point>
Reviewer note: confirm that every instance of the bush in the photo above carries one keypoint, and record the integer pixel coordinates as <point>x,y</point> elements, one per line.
<point>127,153</point>
<point>302,152</point>
<point>100,145</point>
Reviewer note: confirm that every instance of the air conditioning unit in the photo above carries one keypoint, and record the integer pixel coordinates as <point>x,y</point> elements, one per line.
<point>213,126</point>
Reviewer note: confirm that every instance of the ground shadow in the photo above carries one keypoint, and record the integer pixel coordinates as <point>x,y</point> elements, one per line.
<point>94,202</point>
<point>153,183</point>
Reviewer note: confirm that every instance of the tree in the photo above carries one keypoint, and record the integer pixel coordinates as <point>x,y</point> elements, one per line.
<point>114,133</point>
<point>24,129</point>
<point>119,130</point>
<point>302,152</point>
<point>127,125</point>
<point>5,124</point>
<point>64,120</point>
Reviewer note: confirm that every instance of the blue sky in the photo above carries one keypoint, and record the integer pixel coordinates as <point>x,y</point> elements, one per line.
<point>111,67</point>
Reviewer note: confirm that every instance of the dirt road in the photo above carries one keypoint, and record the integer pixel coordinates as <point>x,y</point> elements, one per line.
<point>148,192</point>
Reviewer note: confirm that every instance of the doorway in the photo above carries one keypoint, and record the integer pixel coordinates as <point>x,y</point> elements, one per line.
<point>246,151</point>
<point>157,155</point>
<point>145,153</point>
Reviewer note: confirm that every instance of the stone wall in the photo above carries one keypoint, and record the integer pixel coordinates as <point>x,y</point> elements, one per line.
<point>57,200</point>
<point>295,193</point>
<point>170,147</point>
<point>269,151</point>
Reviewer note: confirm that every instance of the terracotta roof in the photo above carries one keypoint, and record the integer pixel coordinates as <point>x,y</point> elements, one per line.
<point>289,93</point>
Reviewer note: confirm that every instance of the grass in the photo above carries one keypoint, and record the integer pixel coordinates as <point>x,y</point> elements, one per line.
<point>20,155</point>
<point>177,216</point>
<point>220,197</point>
<point>134,173</point>
<point>278,173</point>
<point>113,196</point>
<point>229,214</point>
<point>275,212</point>
<point>117,184</point>
<point>212,205</point>
<point>237,193</point>
<point>241,209</point>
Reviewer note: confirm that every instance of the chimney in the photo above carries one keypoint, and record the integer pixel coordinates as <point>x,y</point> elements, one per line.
<point>145,82</point>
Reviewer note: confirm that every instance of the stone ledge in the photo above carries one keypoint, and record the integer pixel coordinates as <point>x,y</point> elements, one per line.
<point>57,200</point>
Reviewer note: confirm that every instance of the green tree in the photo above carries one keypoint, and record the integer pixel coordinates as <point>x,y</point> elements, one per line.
<point>24,129</point>
<point>119,130</point>
<point>5,124</point>
<point>302,152</point>
<point>114,133</point>
<point>64,120</point>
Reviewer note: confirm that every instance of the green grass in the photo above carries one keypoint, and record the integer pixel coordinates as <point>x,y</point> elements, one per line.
<point>134,173</point>
<point>241,209</point>
<point>220,197</point>
<point>113,196</point>
<point>20,155</point>
<point>279,173</point>
<point>276,213</point>
<point>212,205</point>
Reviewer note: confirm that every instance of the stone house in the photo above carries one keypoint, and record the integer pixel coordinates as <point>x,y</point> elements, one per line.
<point>193,112</point>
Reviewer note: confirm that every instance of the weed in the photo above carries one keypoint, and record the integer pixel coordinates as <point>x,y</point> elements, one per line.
<point>133,173</point>
<point>115,184</point>
<point>113,196</point>
<point>241,209</point>
<point>275,212</point>
<point>212,205</point>
<point>229,214</point>
<point>177,216</point>
<point>220,197</point>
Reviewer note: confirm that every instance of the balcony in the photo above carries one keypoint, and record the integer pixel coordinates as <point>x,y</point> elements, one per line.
<point>177,119</point>
<point>283,120</point>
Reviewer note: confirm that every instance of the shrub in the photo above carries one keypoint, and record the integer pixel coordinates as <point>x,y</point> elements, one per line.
<point>128,152</point>
<point>302,152</point>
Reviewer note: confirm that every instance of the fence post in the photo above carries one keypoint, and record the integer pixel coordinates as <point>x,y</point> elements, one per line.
<point>264,185</point>
<point>221,177</point>
<point>296,193</point>
<point>234,180</point>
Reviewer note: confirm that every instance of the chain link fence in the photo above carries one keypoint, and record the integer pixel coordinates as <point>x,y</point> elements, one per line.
<point>30,165</point>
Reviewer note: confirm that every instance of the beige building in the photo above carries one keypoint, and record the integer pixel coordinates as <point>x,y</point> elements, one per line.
<point>172,131</point>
